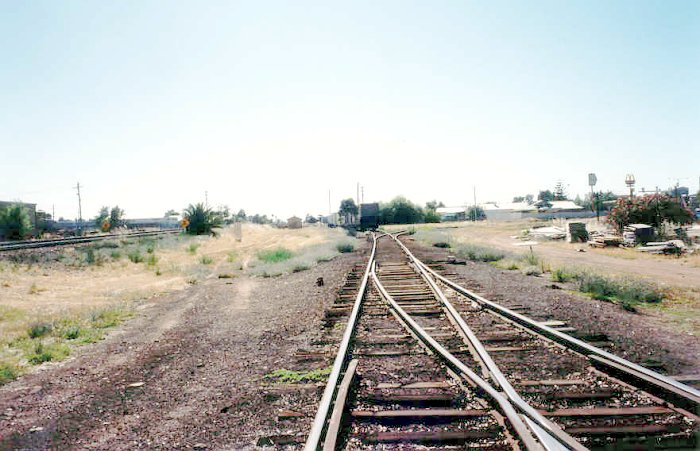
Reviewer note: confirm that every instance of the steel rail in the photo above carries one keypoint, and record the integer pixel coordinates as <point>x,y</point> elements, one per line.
<point>314,439</point>
<point>690,393</point>
<point>507,408</point>
<point>549,433</point>
<point>34,244</point>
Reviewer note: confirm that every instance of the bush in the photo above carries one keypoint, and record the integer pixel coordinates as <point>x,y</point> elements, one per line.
<point>206,260</point>
<point>651,209</point>
<point>560,275</point>
<point>474,252</point>
<point>39,330</point>
<point>625,291</point>
<point>275,255</point>
<point>135,256</point>
<point>201,220</point>
<point>344,248</point>
<point>46,353</point>
<point>192,248</point>
<point>14,222</point>
<point>442,244</point>
<point>8,372</point>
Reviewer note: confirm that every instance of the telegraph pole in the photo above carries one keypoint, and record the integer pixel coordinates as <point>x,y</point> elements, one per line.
<point>206,199</point>
<point>80,211</point>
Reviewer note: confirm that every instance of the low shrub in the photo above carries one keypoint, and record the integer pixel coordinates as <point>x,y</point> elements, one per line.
<point>344,248</point>
<point>475,252</point>
<point>289,376</point>
<point>206,260</point>
<point>135,256</point>
<point>624,291</point>
<point>8,372</point>
<point>47,352</point>
<point>39,330</point>
<point>442,244</point>
<point>192,248</point>
<point>560,275</point>
<point>275,255</point>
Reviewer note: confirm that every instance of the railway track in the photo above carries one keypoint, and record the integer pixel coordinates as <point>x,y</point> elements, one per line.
<point>34,244</point>
<point>425,362</point>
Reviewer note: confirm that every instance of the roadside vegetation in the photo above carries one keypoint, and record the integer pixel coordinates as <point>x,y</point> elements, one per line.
<point>629,293</point>
<point>277,261</point>
<point>98,283</point>
<point>28,339</point>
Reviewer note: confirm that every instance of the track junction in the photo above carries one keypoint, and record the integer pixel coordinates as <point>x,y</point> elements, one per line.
<point>425,362</point>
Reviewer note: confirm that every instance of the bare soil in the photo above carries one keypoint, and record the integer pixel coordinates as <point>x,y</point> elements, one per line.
<point>187,372</point>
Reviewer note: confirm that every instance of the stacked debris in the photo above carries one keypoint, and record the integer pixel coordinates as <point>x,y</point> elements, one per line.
<point>637,233</point>
<point>600,239</point>
<point>577,232</point>
<point>547,233</point>
<point>675,247</point>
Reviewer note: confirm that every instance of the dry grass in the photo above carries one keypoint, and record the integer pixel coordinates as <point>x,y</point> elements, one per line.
<point>49,305</point>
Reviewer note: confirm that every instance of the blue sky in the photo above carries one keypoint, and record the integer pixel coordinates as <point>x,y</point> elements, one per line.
<point>268,105</point>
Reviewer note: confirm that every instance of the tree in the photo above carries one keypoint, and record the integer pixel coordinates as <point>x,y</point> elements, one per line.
<point>433,205</point>
<point>240,216</point>
<point>116,218</point>
<point>310,219</point>
<point>170,213</point>
<point>44,221</point>
<point>257,219</point>
<point>476,213</point>
<point>201,219</point>
<point>530,199</point>
<point>348,209</point>
<point>600,198</point>
<point>14,222</point>
<point>559,192</point>
<point>518,199</point>
<point>545,195</point>
<point>431,216</point>
<point>400,211</point>
<point>102,219</point>
<point>651,209</point>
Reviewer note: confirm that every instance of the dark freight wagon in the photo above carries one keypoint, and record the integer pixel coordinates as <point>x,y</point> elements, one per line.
<point>369,216</point>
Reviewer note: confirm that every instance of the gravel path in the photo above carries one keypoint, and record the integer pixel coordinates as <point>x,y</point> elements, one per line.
<point>187,372</point>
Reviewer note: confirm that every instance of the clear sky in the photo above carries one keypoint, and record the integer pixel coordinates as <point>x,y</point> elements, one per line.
<point>268,105</point>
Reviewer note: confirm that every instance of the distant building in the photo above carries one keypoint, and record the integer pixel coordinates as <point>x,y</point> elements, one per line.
<point>294,223</point>
<point>452,213</point>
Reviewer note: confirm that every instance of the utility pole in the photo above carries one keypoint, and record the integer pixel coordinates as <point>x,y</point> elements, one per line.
<point>206,199</point>
<point>358,198</point>
<point>329,203</point>
<point>474,209</point>
<point>363,194</point>
<point>80,211</point>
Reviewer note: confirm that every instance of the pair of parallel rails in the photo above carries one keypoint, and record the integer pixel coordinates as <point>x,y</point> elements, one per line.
<point>70,241</point>
<point>426,362</point>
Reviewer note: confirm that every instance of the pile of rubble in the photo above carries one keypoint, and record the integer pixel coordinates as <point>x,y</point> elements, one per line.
<point>664,247</point>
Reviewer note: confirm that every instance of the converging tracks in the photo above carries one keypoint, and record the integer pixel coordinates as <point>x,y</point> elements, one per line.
<point>425,362</point>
